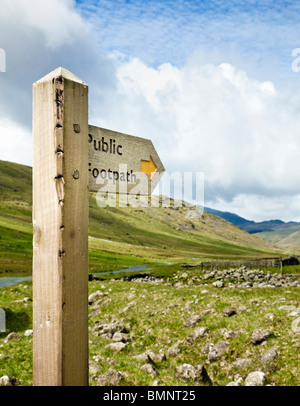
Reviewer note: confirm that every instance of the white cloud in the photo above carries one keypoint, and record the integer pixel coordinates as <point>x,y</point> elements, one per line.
<point>260,208</point>
<point>16,143</point>
<point>216,118</point>
<point>57,20</point>
<point>241,132</point>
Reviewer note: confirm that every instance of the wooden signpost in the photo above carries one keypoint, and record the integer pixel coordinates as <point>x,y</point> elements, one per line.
<point>69,159</point>
<point>121,163</point>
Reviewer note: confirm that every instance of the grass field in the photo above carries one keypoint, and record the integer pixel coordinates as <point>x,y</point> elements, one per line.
<point>155,316</point>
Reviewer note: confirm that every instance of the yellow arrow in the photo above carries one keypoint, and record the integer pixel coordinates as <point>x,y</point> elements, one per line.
<point>148,167</point>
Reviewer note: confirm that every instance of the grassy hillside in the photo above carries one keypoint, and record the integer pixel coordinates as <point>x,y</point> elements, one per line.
<point>120,237</point>
<point>285,237</point>
<point>165,320</point>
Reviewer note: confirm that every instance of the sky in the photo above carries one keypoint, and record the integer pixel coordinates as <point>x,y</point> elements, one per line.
<point>214,84</point>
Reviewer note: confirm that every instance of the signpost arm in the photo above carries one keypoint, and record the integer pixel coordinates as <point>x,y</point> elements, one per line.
<point>60,221</point>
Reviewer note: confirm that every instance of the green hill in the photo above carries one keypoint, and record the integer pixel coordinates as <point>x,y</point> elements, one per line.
<point>285,237</point>
<point>120,237</point>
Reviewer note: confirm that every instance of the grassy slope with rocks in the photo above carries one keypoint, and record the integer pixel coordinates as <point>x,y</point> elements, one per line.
<point>120,237</point>
<point>172,321</point>
<point>152,316</point>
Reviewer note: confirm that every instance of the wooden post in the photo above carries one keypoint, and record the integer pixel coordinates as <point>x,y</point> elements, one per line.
<point>60,221</point>
<point>281,267</point>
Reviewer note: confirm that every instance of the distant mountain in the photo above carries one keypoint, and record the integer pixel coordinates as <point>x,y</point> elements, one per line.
<point>231,217</point>
<point>275,231</point>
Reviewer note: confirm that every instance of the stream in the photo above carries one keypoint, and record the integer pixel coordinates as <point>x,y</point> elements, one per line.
<point>8,281</point>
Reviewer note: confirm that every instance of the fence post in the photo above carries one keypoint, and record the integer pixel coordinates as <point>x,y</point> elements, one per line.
<point>60,221</point>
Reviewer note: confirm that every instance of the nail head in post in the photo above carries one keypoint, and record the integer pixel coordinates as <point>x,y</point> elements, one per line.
<point>76,174</point>
<point>76,128</point>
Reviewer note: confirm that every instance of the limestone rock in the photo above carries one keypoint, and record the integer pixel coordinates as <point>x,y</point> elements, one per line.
<point>242,363</point>
<point>150,370</point>
<point>174,350</point>
<point>95,296</point>
<point>259,335</point>
<point>8,381</point>
<point>218,284</point>
<point>269,355</point>
<point>119,346</point>
<point>200,332</point>
<point>197,374</point>
<point>12,336</point>
<point>229,311</point>
<point>193,320</point>
<point>110,378</point>
<point>256,378</point>
<point>161,356</point>
<point>218,350</point>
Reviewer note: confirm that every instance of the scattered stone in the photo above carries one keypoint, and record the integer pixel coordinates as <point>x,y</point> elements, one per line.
<point>218,350</point>
<point>287,308</point>
<point>243,308</point>
<point>197,374</point>
<point>25,300</point>
<point>238,379</point>
<point>269,355</point>
<point>256,378</point>
<point>150,356</point>
<point>96,296</point>
<point>150,370</point>
<point>174,350</point>
<point>229,311</point>
<point>12,336</point>
<point>270,316</point>
<point>295,312</point>
<point>144,279</point>
<point>119,346</point>
<point>110,378</point>
<point>94,368</point>
<point>109,329</point>
<point>200,332</point>
<point>161,356</point>
<point>218,284</point>
<point>208,311</point>
<point>296,326</point>
<point>259,335</point>
<point>231,334</point>
<point>120,337</point>
<point>28,333</point>
<point>207,348</point>
<point>247,278</point>
<point>184,275</point>
<point>242,363</point>
<point>8,381</point>
<point>254,301</point>
<point>193,320</point>
<point>144,357</point>
<point>232,384</point>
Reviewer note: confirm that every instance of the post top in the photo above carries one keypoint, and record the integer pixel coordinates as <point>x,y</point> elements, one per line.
<point>60,72</point>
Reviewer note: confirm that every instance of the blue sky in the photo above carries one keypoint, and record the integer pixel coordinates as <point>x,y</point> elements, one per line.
<point>209,82</point>
<point>257,35</point>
